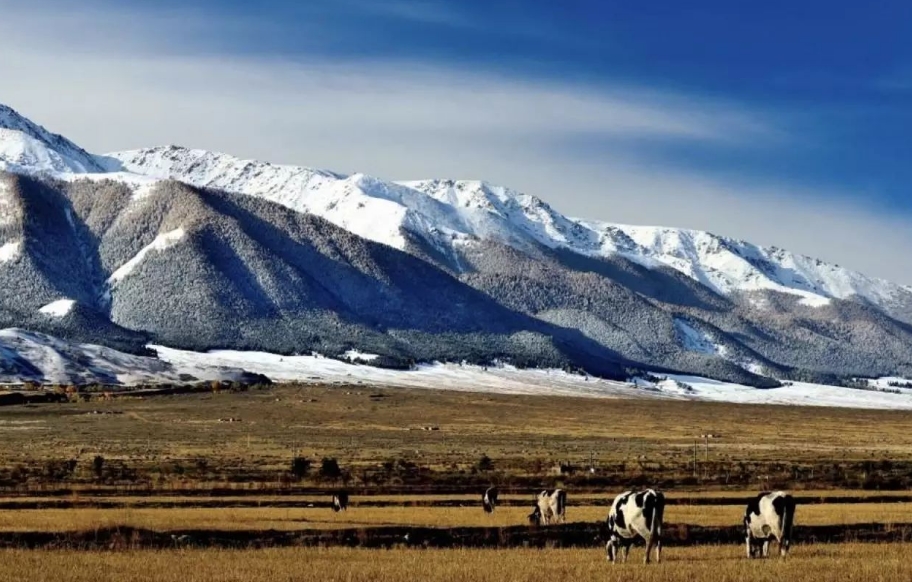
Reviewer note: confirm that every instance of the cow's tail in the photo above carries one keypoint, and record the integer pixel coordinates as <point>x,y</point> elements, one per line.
<point>658,514</point>
<point>788,520</point>
<point>562,505</point>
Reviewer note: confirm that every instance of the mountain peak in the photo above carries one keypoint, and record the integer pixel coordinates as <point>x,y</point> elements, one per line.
<point>449,214</point>
<point>25,145</point>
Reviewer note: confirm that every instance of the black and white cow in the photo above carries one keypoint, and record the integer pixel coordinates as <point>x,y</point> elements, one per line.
<point>549,508</point>
<point>489,499</point>
<point>769,516</point>
<point>632,515</point>
<point>340,501</point>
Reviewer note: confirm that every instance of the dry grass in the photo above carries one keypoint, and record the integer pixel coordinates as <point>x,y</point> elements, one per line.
<point>349,424</point>
<point>276,518</point>
<point>831,563</point>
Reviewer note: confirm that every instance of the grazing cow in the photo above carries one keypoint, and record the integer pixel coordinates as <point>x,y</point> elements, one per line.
<point>340,501</point>
<point>635,515</point>
<point>769,516</point>
<point>489,499</point>
<point>549,507</point>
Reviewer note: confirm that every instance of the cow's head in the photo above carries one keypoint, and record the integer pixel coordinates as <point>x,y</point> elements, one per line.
<point>535,518</point>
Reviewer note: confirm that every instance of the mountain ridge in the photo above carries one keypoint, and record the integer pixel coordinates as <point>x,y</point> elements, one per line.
<point>477,210</point>
<point>254,255</point>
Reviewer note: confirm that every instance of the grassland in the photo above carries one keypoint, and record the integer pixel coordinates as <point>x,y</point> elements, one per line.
<point>821,563</point>
<point>292,519</point>
<point>419,458</point>
<point>378,436</point>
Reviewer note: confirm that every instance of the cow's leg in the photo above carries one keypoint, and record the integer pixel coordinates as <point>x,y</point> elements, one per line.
<point>766,548</point>
<point>649,543</point>
<point>750,548</point>
<point>658,545</point>
<point>626,552</point>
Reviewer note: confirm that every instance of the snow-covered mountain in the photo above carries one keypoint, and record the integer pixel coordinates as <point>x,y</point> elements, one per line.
<point>198,250</point>
<point>450,214</point>
<point>29,147</point>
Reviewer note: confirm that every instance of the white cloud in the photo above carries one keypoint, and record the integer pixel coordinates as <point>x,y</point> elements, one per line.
<point>123,83</point>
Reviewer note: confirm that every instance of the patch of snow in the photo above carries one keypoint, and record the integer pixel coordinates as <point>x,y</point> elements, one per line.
<point>796,394</point>
<point>59,308</point>
<point>509,380</point>
<point>315,369</point>
<point>7,206</point>
<point>352,355</point>
<point>695,340</point>
<point>32,356</point>
<point>162,242</point>
<point>9,251</point>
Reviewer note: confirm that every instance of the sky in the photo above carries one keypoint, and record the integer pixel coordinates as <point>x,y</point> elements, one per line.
<point>782,123</point>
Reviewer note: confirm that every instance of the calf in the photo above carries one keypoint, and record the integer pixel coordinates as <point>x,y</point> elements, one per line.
<point>340,501</point>
<point>769,516</point>
<point>489,499</point>
<point>635,515</point>
<point>549,507</point>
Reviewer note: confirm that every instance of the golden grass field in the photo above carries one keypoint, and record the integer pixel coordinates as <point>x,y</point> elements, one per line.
<point>164,457</point>
<point>358,428</point>
<point>290,519</point>
<point>821,563</point>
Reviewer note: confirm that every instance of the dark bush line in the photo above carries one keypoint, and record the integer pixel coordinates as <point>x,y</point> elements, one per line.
<point>604,501</point>
<point>586,535</point>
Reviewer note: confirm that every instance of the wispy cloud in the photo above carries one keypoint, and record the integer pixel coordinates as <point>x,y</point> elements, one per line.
<point>419,11</point>
<point>126,82</point>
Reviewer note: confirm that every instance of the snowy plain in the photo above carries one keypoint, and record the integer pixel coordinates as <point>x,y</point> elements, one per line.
<point>316,369</point>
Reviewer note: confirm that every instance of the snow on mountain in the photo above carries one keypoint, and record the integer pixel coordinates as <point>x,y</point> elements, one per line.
<point>702,342</point>
<point>162,242</point>
<point>37,357</point>
<point>59,308</point>
<point>9,251</point>
<point>448,214</point>
<point>27,146</point>
<point>452,213</point>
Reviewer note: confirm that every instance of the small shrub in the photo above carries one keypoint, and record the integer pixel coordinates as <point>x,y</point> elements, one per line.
<point>98,466</point>
<point>485,464</point>
<point>300,467</point>
<point>329,469</point>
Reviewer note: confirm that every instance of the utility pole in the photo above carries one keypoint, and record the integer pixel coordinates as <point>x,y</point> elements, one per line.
<point>695,458</point>
<point>705,437</point>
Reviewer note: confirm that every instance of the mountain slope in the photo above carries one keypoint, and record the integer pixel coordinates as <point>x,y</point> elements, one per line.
<point>200,250</point>
<point>448,215</point>
<point>199,269</point>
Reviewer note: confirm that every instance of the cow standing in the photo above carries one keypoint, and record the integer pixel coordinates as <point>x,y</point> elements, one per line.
<point>340,501</point>
<point>632,515</point>
<point>549,508</point>
<point>769,516</point>
<point>489,500</point>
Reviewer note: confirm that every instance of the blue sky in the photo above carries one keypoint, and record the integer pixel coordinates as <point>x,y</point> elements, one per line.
<point>784,123</point>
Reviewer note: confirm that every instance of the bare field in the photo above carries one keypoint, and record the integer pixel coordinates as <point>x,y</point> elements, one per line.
<point>824,563</point>
<point>422,441</point>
